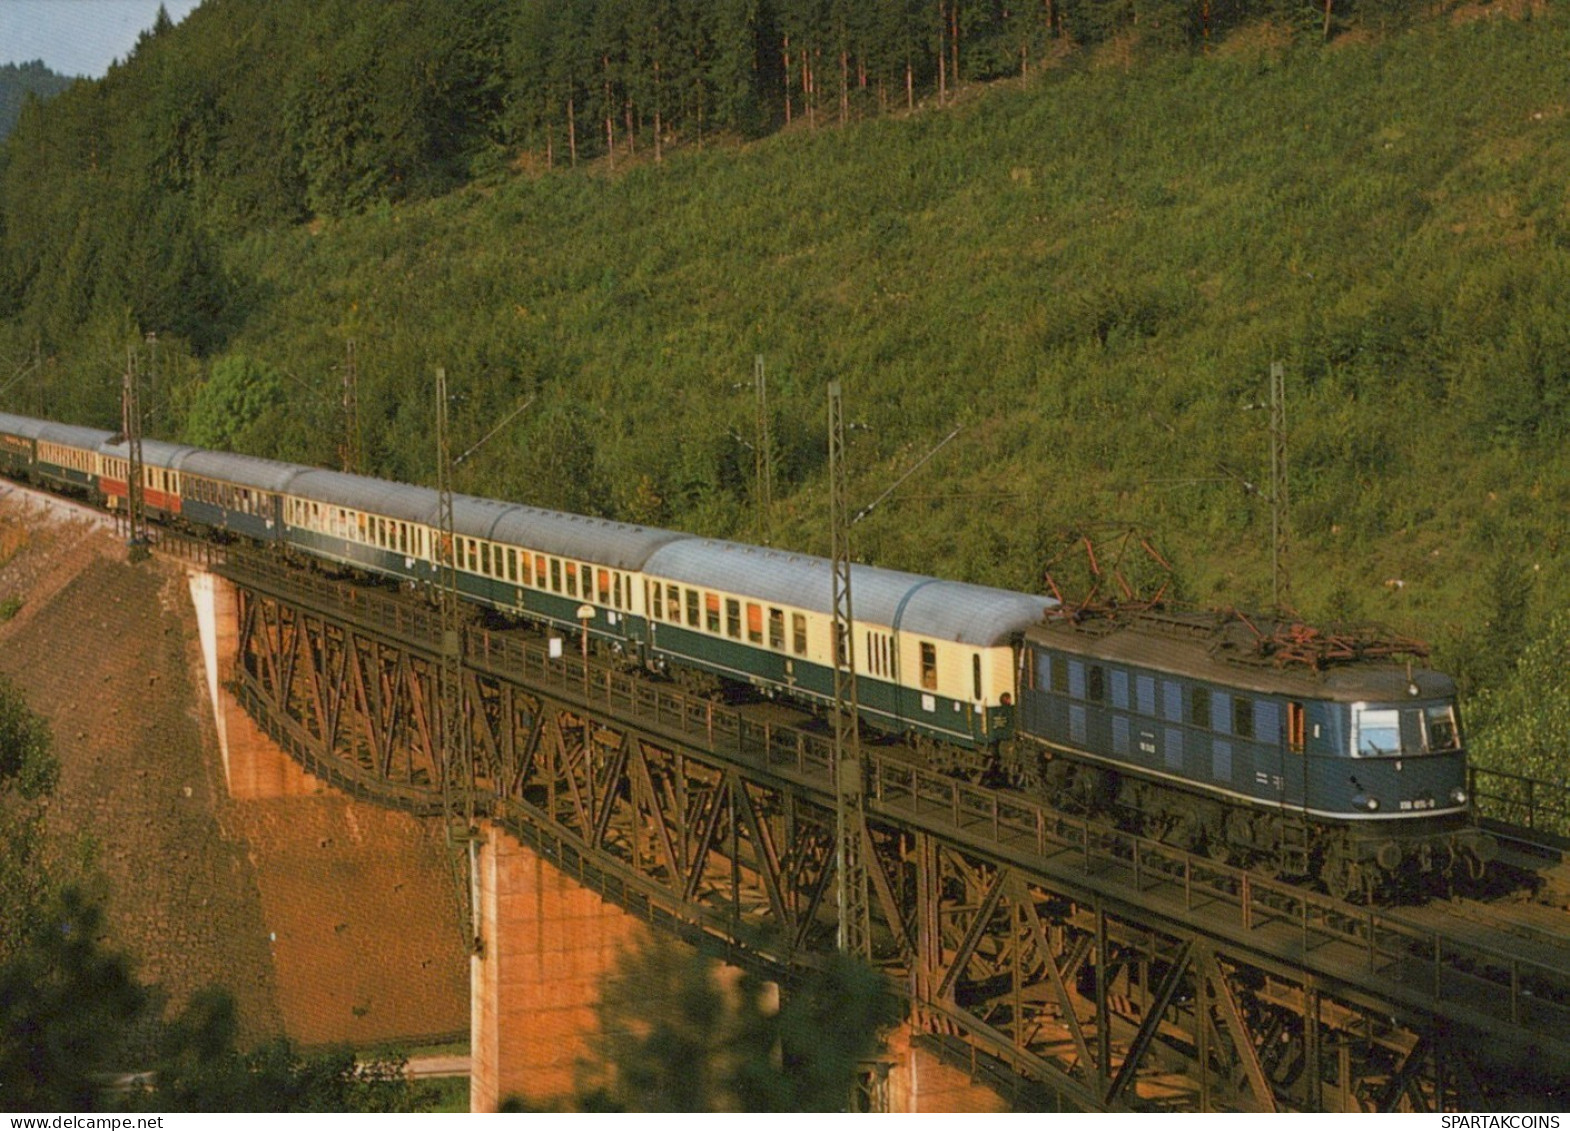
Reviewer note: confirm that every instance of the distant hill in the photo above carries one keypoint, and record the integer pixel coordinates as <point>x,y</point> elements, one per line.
<point>17,82</point>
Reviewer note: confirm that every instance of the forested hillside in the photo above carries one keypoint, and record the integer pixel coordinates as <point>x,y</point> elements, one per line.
<point>1079,231</point>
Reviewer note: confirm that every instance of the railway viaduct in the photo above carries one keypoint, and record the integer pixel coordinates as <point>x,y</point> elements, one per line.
<point>1064,963</point>
<point>1046,961</point>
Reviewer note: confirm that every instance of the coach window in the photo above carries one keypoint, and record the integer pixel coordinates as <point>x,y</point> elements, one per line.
<point>539,570</point>
<point>754,623</point>
<point>658,595</point>
<point>975,674</point>
<point>692,608</point>
<point>711,612</point>
<point>485,558</point>
<point>777,629</point>
<point>673,603</point>
<point>798,633</point>
<point>512,565</point>
<point>572,580</point>
<point>929,666</point>
<point>733,618</point>
<point>555,575</point>
<point>588,582</point>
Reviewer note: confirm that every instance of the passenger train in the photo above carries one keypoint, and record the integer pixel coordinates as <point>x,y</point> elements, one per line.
<point>1177,726</point>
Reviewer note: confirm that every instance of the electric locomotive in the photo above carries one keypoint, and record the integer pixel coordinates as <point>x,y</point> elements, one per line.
<point>1276,747</point>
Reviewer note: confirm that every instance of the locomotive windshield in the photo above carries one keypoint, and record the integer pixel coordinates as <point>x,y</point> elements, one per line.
<point>1387,732</point>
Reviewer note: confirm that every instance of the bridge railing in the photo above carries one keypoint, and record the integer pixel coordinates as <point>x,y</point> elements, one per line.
<point>1519,801</point>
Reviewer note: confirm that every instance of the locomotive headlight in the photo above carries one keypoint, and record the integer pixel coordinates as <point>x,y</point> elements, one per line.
<point>1458,796</point>
<point>1367,804</point>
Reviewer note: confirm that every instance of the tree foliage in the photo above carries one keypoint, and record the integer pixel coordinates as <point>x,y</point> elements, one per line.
<point>1522,725</point>
<point>674,1038</point>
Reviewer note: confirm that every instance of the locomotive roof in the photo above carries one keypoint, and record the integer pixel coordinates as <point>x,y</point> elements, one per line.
<point>906,602</point>
<point>1215,650</point>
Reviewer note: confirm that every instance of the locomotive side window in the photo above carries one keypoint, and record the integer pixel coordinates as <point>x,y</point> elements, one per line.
<point>1441,726</point>
<point>1059,674</point>
<point>929,666</point>
<point>1242,717</point>
<point>1120,689</point>
<point>1199,707</point>
<point>1145,694</point>
<point>1097,686</point>
<point>1172,701</point>
<point>1076,679</point>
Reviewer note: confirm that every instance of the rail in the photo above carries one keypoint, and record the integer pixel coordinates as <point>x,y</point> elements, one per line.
<point>1428,964</point>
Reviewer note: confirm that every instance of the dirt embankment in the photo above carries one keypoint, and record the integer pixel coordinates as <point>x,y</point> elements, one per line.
<point>276,901</point>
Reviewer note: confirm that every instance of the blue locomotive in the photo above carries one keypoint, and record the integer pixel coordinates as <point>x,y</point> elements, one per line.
<point>1185,728</point>
<point>1272,745</point>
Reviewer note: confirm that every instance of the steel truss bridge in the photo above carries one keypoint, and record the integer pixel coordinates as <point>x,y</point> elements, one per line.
<point>1066,962</point>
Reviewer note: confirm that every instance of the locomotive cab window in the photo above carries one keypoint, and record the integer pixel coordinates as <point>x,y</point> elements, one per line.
<point>1376,731</point>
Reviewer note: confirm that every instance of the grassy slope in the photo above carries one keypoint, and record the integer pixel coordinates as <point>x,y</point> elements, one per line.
<point>1091,274</point>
